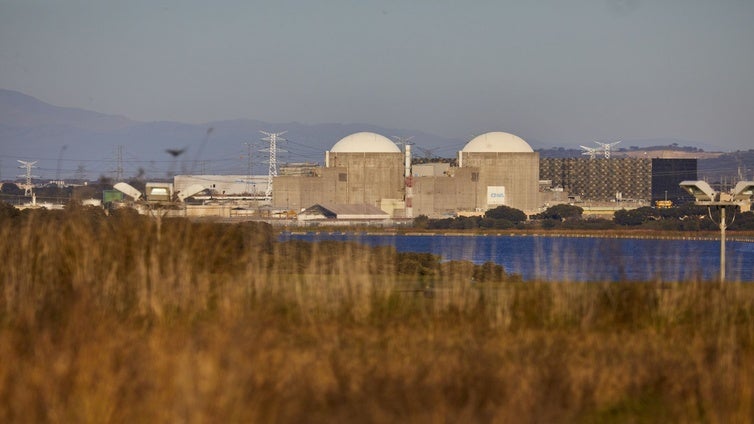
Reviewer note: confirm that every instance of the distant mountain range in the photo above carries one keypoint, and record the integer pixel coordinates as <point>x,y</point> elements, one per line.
<point>34,130</point>
<point>72,142</point>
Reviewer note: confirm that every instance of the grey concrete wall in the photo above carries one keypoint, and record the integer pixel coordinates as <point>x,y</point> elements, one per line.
<point>351,178</point>
<point>329,185</point>
<point>517,172</point>
<point>444,195</point>
<point>370,176</point>
<point>354,178</point>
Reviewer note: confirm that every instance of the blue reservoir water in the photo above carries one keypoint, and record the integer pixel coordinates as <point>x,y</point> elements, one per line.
<point>574,258</point>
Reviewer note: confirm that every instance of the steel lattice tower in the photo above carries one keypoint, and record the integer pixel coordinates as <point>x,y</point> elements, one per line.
<point>28,166</point>
<point>607,147</point>
<point>119,163</point>
<point>273,139</point>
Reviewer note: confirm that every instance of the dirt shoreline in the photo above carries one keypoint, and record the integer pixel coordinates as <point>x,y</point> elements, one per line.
<point>747,237</point>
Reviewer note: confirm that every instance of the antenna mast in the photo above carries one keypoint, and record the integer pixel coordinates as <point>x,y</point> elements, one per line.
<point>273,139</point>
<point>28,166</point>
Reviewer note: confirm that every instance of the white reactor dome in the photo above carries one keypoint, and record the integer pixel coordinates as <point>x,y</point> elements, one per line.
<point>497,142</point>
<point>365,142</point>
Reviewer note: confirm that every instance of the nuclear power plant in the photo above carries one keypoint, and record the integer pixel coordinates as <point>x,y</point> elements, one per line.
<point>366,176</point>
<point>365,168</point>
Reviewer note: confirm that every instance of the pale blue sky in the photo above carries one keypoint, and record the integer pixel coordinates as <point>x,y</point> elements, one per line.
<point>561,72</point>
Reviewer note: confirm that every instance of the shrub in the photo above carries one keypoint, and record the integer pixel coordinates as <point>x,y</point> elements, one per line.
<point>561,212</point>
<point>633,217</point>
<point>507,213</point>
<point>421,222</point>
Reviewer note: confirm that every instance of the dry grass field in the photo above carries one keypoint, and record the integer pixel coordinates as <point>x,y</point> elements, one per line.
<point>124,319</point>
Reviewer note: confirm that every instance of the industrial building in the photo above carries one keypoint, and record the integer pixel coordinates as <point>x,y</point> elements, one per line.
<point>666,177</point>
<point>225,185</point>
<point>362,168</point>
<point>366,168</point>
<point>494,169</point>
<point>344,213</point>
<point>599,179</point>
<point>368,172</point>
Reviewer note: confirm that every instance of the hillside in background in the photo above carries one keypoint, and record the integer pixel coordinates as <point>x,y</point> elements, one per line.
<point>81,140</point>
<point>17,110</point>
<point>728,168</point>
<point>73,143</point>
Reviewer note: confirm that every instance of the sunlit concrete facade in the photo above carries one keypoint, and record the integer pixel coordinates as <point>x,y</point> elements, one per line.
<point>366,168</point>
<point>363,168</point>
<point>492,163</point>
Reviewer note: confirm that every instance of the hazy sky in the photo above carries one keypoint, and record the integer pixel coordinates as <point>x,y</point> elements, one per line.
<point>561,72</point>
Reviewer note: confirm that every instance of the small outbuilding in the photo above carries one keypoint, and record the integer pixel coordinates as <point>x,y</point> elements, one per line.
<point>343,212</point>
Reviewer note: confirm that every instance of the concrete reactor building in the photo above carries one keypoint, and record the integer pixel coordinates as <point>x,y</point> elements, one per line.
<point>494,169</point>
<point>362,168</point>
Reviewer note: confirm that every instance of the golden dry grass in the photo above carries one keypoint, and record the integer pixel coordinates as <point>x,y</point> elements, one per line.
<point>110,320</point>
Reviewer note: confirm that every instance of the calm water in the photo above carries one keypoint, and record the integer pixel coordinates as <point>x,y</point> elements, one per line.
<point>575,258</point>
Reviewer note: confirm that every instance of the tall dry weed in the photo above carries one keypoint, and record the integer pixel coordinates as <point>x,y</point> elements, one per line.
<point>118,319</point>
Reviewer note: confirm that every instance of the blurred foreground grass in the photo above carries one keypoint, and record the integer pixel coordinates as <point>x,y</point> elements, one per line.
<point>119,319</point>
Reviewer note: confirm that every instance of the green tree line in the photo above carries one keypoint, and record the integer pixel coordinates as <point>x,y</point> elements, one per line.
<point>688,217</point>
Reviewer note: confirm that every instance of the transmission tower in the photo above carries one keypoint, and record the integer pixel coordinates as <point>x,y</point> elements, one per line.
<point>428,153</point>
<point>80,174</point>
<point>607,147</point>
<point>28,166</point>
<point>403,141</point>
<point>273,139</point>
<point>590,151</point>
<point>119,163</point>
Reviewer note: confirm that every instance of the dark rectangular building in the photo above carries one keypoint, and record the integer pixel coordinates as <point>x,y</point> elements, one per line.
<point>667,174</point>
<point>630,178</point>
<point>600,179</point>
